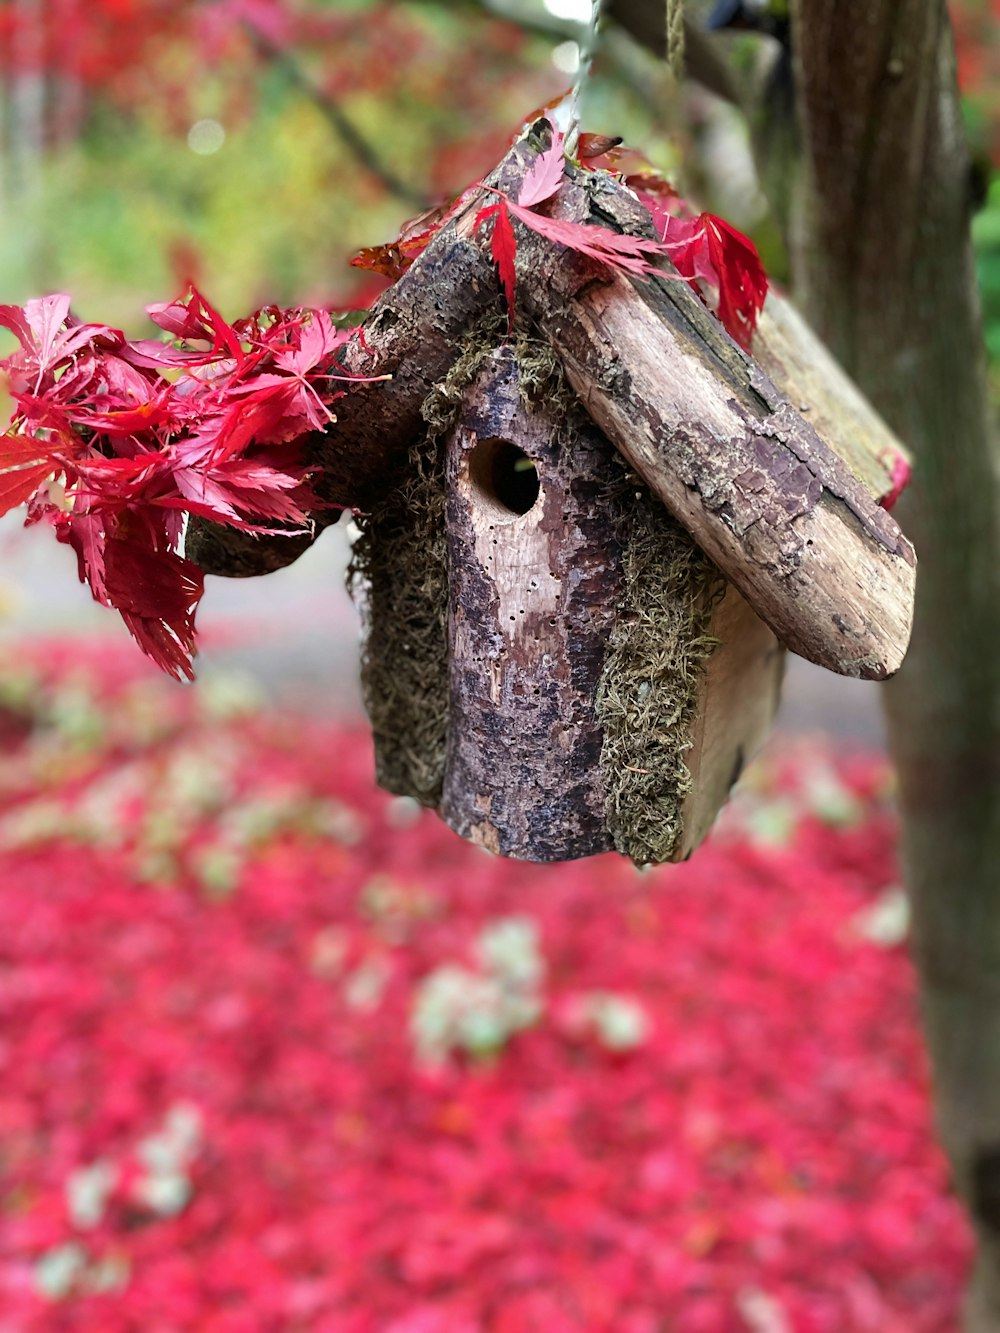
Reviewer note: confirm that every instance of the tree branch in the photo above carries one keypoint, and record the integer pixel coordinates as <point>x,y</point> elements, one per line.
<point>343,126</point>
<point>644,21</point>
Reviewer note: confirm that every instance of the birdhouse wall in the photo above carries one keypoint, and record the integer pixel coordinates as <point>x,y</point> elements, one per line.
<point>536,583</point>
<point>549,658</point>
<point>399,579</point>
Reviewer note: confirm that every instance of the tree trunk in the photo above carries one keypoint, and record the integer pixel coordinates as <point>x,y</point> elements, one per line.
<point>27,95</point>
<point>877,178</point>
<point>883,268</point>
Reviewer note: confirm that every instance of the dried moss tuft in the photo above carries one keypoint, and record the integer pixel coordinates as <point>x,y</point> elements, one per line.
<point>399,577</point>
<point>648,694</point>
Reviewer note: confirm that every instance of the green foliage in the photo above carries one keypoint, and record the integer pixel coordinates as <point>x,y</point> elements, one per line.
<point>986,238</point>
<point>265,217</point>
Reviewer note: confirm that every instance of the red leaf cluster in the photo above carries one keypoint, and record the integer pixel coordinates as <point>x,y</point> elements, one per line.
<point>712,256</point>
<point>218,943</point>
<point>113,442</point>
<point>630,254</point>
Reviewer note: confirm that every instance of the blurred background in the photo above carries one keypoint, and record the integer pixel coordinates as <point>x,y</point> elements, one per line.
<point>176,1149</point>
<point>254,147</point>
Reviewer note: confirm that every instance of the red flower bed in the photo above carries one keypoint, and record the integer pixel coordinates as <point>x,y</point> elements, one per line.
<point>278,1052</point>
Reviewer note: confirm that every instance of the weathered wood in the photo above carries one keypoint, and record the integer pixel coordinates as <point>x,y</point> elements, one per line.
<point>739,698</point>
<point>758,487</point>
<point>414,334</point>
<point>804,370</point>
<point>534,595</point>
<point>754,483</point>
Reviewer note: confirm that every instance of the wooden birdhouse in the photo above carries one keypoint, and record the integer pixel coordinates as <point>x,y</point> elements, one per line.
<point>585,545</point>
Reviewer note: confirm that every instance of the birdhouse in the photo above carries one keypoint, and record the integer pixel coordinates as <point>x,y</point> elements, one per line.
<point>585,545</point>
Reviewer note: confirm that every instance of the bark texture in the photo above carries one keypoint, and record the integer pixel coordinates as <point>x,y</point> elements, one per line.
<point>414,334</point>
<point>884,269</point>
<point>605,687</point>
<point>767,499</point>
<point>789,352</point>
<point>536,581</point>
<point>745,472</point>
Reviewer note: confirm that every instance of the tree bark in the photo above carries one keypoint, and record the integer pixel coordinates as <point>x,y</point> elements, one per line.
<point>883,267</point>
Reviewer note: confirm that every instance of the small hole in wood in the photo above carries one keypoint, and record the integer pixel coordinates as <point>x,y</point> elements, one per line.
<point>504,479</point>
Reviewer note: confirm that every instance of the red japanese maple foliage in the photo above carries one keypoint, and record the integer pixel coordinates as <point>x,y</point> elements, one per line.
<point>707,251</point>
<point>124,49</point>
<point>719,262</point>
<point>113,442</point>
<point>221,956</point>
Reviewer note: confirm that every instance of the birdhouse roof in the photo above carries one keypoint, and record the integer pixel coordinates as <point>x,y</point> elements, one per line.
<point>772,461</point>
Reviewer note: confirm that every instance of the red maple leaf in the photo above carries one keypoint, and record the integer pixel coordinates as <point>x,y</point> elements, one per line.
<point>591,147</point>
<point>49,337</point>
<point>24,465</point>
<point>503,248</point>
<point>394,258</point>
<point>708,250</point>
<point>900,475</point>
<point>545,175</point>
<point>135,445</point>
<point>630,254</point>
<point>191,318</point>
<point>156,592</point>
<point>742,280</point>
<point>238,490</point>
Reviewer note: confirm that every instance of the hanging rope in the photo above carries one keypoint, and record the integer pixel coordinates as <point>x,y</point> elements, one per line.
<point>588,45</point>
<point>675,38</point>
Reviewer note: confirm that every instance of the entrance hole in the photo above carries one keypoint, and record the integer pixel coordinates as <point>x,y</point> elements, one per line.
<point>504,477</point>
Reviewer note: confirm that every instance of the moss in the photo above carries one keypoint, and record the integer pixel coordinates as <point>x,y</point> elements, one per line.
<point>399,576</point>
<point>651,682</point>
